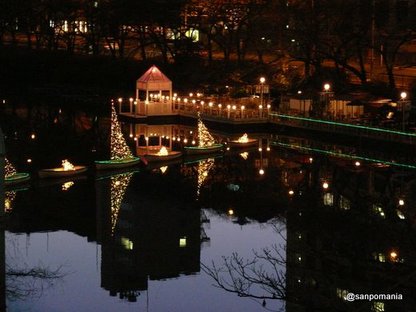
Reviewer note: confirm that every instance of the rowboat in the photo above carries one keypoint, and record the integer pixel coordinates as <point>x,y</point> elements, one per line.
<point>120,154</point>
<point>116,163</point>
<point>156,157</point>
<point>16,178</point>
<point>243,142</point>
<point>200,150</point>
<point>206,143</point>
<point>239,144</point>
<point>61,172</point>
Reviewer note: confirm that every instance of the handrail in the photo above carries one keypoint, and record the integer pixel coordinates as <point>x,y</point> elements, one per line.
<point>322,121</point>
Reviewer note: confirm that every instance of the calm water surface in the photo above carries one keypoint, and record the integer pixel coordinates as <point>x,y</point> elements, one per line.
<point>139,241</point>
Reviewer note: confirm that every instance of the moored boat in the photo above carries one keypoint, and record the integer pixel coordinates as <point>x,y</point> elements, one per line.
<point>120,154</point>
<point>17,178</point>
<point>61,172</point>
<point>11,176</point>
<point>200,150</point>
<point>206,143</point>
<point>249,143</point>
<point>156,157</point>
<point>117,163</point>
<point>243,142</point>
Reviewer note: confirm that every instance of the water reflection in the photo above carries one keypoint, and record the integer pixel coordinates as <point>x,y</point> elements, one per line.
<point>345,228</point>
<point>156,236</point>
<point>346,233</point>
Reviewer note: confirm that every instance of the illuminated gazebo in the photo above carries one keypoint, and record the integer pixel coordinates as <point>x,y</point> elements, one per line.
<point>153,93</point>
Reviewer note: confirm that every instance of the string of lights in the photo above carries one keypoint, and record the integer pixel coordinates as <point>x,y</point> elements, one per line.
<point>204,166</point>
<point>205,138</point>
<point>9,169</point>
<point>9,197</point>
<point>118,189</point>
<point>118,146</point>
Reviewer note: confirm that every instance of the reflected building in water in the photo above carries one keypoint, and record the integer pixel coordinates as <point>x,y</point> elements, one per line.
<point>347,233</point>
<point>156,235</point>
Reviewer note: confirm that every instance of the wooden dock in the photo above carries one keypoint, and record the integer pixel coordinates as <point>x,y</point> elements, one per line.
<point>254,118</point>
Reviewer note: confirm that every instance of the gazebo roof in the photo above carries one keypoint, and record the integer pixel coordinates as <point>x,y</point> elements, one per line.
<point>153,79</point>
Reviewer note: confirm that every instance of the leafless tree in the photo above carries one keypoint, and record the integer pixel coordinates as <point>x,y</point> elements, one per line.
<point>261,278</point>
<point>30,282</point>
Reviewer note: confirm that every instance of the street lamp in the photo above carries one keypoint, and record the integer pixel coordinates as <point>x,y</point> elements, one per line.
<point>120,101</point>
<point>403,97</point>
<point>327,88</point>
<point>262,81</point>
<point>131,105</point>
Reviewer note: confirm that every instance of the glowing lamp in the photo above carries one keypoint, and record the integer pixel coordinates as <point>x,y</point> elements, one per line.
<point>394,256</point>
<point>325,185</point>
<point>261,171</point>
<point>67,165</point>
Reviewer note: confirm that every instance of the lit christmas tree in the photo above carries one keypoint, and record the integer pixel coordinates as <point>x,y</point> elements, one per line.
<point>118,189</point>
<point>9,197</point>
<point>205,138</point>
<point>9,169</point>
<point>204,166</point>
<point>118,145</point>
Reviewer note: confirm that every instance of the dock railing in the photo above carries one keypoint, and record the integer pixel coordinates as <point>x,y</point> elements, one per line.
<point>343,128</point>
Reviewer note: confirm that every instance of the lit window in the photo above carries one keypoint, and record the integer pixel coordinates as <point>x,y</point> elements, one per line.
<point>380,257</point>
<point>400,214</point>
<point>192,34</point>
<point>344,203</point>
<point>342,293</point>
<point>378,306</point>
<point>328,199</point>
<point>126,243</point>
<point>182,242</point>
<point>379,211</point>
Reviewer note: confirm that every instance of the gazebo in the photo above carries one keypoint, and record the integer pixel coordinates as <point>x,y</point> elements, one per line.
<point>153,93</point>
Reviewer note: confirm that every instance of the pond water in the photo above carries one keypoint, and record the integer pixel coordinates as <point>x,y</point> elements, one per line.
<point>316,226</point>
